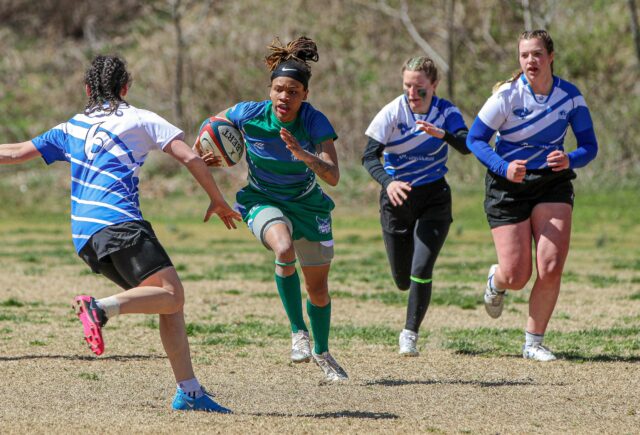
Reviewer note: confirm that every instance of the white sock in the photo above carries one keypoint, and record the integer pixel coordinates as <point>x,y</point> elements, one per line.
<point>533,339</point>
<point>191,387</point>
<point>110,305</point>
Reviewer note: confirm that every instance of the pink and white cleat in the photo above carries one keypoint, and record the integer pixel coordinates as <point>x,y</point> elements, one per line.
<point>93,319</point>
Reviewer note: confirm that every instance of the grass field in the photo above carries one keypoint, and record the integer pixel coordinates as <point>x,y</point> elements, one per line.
<point>469,377</point>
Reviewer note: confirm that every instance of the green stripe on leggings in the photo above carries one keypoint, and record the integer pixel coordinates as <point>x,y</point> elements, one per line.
<point>420,280</point>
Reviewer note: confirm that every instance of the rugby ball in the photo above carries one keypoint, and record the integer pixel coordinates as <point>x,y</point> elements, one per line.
<point>223,139</point>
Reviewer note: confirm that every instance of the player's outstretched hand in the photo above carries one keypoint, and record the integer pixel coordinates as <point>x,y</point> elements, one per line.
<point>291,143</point>
<point>430,129</point>
<point>224,212</point>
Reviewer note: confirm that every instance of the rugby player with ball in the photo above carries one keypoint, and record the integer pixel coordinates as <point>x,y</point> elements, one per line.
<point>288,145</point>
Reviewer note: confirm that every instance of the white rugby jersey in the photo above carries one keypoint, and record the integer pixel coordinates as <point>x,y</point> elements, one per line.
<point>106,153</point>
<point>410,154</point>
<point>531,126</point>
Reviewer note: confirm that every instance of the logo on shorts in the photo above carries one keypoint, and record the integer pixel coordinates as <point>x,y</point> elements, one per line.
<point>258,145</point>
<point>324,225</point>
<point>522,112</point>
<point>403,128</point>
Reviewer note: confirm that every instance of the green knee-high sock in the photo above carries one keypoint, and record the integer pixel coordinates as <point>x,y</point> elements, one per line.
<point>289,291</point>
<point>320,319</point>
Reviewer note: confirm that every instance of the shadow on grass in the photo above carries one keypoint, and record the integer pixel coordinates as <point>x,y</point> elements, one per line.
<point>577,357</point>
<point>83,357</point>
<point>337,414</point>
<point>484,384</point>
<point>566,356</point>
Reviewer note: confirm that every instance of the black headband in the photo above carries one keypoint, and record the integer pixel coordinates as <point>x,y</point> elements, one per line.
<point>294,70</point>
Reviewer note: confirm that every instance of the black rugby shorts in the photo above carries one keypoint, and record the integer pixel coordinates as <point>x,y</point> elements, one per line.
<point>126,253</point>
<point>509,203</point>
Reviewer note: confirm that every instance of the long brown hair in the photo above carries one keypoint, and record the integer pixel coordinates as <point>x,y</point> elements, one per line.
<point>542,35</point>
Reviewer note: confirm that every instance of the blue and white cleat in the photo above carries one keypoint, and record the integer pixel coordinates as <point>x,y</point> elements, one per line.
<point>184,402</point>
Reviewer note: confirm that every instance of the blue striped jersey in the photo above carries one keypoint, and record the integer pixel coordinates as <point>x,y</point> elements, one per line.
<point>273,169</point>
<point>531,126</point>
<point>105,153</point>
<point>410,154</point>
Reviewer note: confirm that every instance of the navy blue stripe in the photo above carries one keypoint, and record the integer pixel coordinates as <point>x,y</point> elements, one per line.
<point>117,140</point>
<point>405,139</point>
<point>537,118</point>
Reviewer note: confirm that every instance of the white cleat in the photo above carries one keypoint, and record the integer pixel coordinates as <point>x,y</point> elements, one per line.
<point>537,352</point>
<point>493,299</point>
<point>300,347</point>
<point>331,369</point>
<point>408,343</point>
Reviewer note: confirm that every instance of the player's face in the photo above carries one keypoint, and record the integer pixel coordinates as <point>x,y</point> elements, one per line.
<point>287,95</point>
<point>535,61</point>
<point>419,90</point>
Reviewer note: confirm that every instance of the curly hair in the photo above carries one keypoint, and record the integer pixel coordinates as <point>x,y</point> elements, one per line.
<point>106,77</point>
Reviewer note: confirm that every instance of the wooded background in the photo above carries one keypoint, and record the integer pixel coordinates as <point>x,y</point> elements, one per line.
<point>190,59</point>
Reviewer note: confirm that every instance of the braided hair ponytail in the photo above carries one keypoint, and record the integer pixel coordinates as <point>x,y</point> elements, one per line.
<point>106,77</point>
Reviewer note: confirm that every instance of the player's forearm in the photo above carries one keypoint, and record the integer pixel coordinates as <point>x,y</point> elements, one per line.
<point>371,162</point>
<point>12,153</point>
<point>199,170</point>
<point>327,171</point>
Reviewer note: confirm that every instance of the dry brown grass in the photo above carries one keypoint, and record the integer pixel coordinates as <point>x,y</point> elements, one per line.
<point>51,382</point>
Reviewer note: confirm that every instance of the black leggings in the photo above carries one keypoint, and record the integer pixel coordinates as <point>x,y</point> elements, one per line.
<point>414,255</point>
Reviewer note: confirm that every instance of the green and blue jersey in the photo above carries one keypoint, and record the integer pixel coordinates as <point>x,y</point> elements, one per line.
<point>273,169</point>
<point>276,177</point>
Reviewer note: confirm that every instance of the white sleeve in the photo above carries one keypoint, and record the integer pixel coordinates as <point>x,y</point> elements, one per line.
<point>494,112</point>
<point>382,125</point>
<point>161,132</point>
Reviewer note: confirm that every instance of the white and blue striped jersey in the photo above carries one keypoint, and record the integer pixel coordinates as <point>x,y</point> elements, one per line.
<point>531,126</point>
<point>410,154</point>
<point>106,153</point>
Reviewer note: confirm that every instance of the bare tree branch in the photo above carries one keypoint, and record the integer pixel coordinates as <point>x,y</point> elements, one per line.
<point>381,6</point>
<point>408,24</point>
<point>403,15</point>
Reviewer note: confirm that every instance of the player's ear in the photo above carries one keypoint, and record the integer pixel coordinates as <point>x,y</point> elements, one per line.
<point>87,90</point>
<point>306,94</point>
